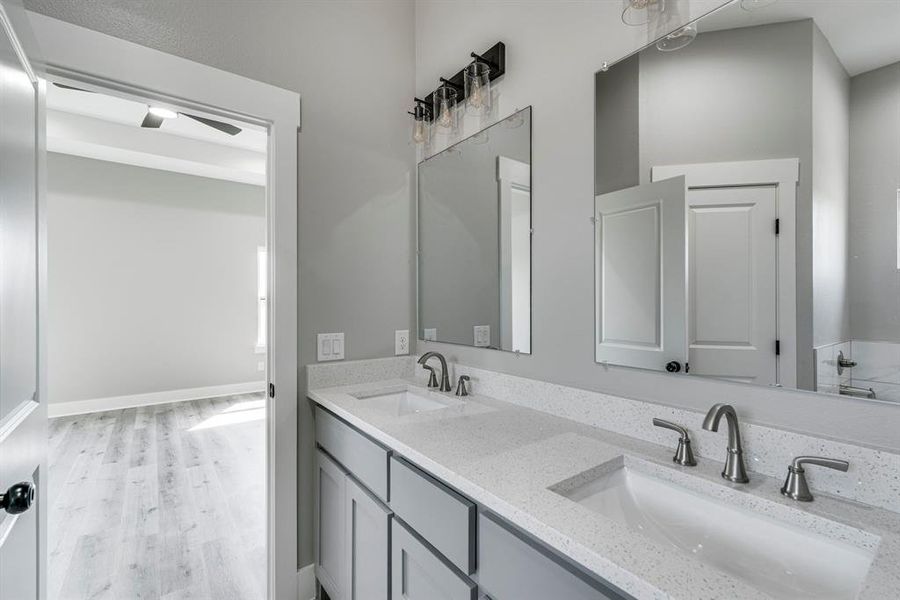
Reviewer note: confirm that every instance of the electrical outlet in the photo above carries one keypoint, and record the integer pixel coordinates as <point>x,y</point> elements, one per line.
<point>430,335</point>
<point>330,346</point>
<point>482,335</point>
<point>401,342</point>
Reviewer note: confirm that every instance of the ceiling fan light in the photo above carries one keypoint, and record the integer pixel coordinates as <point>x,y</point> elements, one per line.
<point>162,113</point>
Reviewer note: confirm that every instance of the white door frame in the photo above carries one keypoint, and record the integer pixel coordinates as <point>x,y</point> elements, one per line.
<point>783,173</point>
<point>94,60</point>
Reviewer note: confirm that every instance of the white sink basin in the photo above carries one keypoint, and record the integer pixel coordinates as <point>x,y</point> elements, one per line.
<point>777,558</point>
<point>405,402</point>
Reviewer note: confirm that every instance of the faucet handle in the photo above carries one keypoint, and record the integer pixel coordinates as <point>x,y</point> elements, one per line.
<point>461,386</point>
<point>683,454</point>
<point>432,378</point>
<point>795,486</point>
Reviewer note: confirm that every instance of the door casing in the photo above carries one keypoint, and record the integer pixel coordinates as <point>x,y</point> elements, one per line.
<point>93,60</point>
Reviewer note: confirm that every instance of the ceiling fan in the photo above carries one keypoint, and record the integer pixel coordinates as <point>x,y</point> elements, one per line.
<point>157,114</point>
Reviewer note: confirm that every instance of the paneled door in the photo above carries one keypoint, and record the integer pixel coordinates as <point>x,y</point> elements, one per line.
<point>23,416</point>
<point>740,279</point>
<point>641,279</point>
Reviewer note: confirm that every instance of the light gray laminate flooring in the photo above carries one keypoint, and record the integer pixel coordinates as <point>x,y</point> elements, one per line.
<point>163,501</point>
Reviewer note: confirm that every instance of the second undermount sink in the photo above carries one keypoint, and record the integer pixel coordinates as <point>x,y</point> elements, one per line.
<point>406,402</point>
<point>776,557</point>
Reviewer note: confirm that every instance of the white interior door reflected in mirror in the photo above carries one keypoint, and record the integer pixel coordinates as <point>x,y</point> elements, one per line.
<point>514,182</point>
<point>641,279</point>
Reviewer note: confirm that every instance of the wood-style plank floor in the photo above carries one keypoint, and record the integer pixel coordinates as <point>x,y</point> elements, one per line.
<point>163,501</point>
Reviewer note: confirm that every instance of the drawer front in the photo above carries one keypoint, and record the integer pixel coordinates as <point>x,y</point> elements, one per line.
<point>511,568</point>
<point>417,573</point>
<point>364,458</point>
<point>437,513</point>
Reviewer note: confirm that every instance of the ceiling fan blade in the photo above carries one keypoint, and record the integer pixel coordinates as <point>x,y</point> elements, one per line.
<point>223,127</point>
<point>72,87</point>
<point>152,121</point>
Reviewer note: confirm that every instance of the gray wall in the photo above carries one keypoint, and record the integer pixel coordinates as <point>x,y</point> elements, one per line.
<point>874,181</point>
<point>830,196</point>
<point>352,61</point>
<point>571,41</point>
<point>152,280</point>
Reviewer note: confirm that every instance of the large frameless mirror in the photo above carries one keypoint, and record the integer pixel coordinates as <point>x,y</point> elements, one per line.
<point>747,205</point>
<point>474,239</point>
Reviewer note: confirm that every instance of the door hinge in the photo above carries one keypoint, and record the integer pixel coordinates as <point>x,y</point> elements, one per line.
<point>687,367</point>
<point>777,347</point>
<point>271,390</point>
<point>777,226</point>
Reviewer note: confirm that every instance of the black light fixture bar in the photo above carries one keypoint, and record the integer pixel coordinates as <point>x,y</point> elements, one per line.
<point>495,57</point>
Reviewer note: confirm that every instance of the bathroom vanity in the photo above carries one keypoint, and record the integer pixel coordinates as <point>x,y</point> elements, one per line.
<point>422,494</point>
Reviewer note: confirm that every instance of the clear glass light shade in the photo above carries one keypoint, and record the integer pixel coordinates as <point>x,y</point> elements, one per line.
<point>477,85</point>
<point>421,127</point>
<point>637,12</point>
<point>677,39</point>
<point>445,118</point>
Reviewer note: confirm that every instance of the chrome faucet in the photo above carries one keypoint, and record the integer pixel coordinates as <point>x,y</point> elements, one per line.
<point>734,459</point>
<point>444,386</point>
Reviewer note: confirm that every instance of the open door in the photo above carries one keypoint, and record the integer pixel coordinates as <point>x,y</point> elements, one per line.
<point>641,295</point>
<point>23,415</point>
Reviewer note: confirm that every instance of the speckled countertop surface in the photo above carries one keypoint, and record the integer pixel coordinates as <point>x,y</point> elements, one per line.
<point>505,457</point>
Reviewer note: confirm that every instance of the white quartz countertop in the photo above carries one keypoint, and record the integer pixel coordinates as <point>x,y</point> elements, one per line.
<point>505,457</point>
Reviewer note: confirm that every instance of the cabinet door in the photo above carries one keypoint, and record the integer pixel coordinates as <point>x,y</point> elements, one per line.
<point>368,545</point>
<point>331,561</point>
<point>417,573</point>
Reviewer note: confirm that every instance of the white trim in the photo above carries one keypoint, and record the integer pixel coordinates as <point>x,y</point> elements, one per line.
<point>93,60</point>
<point>6,24</point>
<point>785,174</point>
<point>80,407</point>
<point>306,582</point>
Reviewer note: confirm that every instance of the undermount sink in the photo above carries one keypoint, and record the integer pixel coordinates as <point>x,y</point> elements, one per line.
<point>406,402</point>
<point>777,558</point>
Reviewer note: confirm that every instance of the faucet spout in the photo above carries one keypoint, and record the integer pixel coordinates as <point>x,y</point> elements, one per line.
<point>444,386</point>
<point>734,459</point>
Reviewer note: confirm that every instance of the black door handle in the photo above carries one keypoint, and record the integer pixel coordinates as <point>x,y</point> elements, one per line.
<point>673,366</point>
<point>17,498</point>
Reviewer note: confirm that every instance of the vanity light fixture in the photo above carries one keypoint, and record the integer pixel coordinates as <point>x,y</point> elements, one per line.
<point>471,85</point>
<point>677,39</point>
<point>637,12</point>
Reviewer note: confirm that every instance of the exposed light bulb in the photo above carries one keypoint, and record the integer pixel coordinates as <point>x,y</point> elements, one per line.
<point>445,119</point>
<point>162,113</point>
<point>476,96</point>
<point>420,132</point>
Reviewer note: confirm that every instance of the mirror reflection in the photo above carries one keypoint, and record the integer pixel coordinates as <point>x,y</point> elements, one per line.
<point>474,222</point>
<point>748,200</point>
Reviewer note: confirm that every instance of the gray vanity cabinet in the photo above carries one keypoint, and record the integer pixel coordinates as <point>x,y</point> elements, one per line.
<point>368,545</point>
<point>419,573</point>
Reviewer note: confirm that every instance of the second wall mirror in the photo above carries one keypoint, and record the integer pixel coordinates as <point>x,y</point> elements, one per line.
<point>748,200</point>
<point>474,239</point>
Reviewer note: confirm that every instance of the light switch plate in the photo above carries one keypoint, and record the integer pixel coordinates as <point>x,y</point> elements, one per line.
<point>482,335</point>
<point>430,335</point>
<point>401,342</point>
<point>330,346</point>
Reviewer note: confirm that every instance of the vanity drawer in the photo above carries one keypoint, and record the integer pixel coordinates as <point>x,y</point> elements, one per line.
<point>513,568</point>
<point>417,573</point>
<point>437,513</point>
<point>366,459</point>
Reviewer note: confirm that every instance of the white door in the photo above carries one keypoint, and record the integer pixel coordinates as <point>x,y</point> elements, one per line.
<point>741,275</point>
<point>23,416</point>
<point>732,275</point>
<point>641,293</point>
<point>514,181</point>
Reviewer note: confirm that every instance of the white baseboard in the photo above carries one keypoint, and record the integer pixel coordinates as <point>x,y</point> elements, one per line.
<point>79,407</point>
<point>306,585</point>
